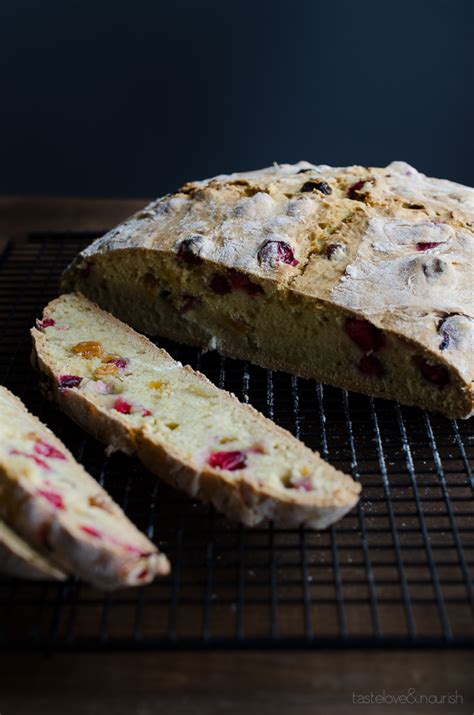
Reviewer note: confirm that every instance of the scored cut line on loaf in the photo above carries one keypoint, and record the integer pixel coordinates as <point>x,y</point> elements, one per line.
<point>133,396</point>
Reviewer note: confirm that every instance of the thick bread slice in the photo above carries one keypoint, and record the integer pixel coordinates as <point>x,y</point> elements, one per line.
<point>130,394</point>
<point>18,558</point>
<point>358,277</point>
<point>53,503</point>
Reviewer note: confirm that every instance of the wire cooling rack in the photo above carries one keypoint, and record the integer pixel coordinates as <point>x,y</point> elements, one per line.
<point>396,571</point>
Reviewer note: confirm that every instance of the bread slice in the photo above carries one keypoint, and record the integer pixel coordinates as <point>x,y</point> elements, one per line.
<point>133,396</point>
<point>18,558</point>
<point>61,511</point>
<point>358,277</point>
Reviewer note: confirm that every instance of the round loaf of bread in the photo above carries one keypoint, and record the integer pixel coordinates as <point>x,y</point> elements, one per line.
<point>358,277</point>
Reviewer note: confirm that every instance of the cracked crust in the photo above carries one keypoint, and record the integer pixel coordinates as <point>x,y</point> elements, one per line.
<point>389,246</point>
<point>239,494</point>
<point>227,262</point>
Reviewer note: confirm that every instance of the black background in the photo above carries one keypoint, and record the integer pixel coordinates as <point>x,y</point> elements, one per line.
<point>131,98</point>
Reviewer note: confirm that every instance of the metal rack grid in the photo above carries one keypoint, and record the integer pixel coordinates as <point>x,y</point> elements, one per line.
<point>396,571</point>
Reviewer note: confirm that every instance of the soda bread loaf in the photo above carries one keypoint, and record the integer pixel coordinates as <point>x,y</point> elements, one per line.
<point>61,511</point>
<point>18,558</point>
<point>133,396</point>
<point>358,277</point>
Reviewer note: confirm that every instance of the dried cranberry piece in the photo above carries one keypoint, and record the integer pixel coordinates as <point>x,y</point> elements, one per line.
<point>91,531</point>
<point>133,549</point>
<point>321,186</point>
<point>53,497</point>
<point>187,250</point>
<point>40,462</point>
<point>45,323</point>
<point>304,484</point>
<point>371,365</point>
<point>239,281</point>
<point>334,250</point>
<point>425,246</point>
<point>364,334</point>
<point>102,388</point>
<point>352,191</point>
<point>142,575</point>
<point>69,381</point>
<point>119,362</point>
<point>277,250</point>
<point>219,284</point>
<point>122,406</point>
<point>97,534</point>
<point>437,374</point>
<point>47,450</point>
<point>233,280</point>
<point>228,460</point>
<point>147,412</point>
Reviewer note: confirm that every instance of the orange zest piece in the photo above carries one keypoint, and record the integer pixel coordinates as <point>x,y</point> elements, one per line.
<point>89,349</point>
<point>104,370</point>
<point>158,384</point>
<point>110,358</point>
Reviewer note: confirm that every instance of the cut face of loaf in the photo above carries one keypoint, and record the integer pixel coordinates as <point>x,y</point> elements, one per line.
<point>130,394</point>
<point>360,278</point>
<point>18,558</point>
<point>61,511</point>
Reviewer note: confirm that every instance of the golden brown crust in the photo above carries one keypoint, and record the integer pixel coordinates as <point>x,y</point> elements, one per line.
<point>385,245</point>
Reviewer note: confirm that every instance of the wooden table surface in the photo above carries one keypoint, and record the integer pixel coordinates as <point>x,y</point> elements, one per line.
<point>303,683</point>
<point>267,683</point>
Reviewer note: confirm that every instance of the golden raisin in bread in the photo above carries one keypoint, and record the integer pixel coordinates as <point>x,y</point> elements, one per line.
<point>184,429</point>
<point>358,277</point>
<point>18,558</point>
<point>61,511</point>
